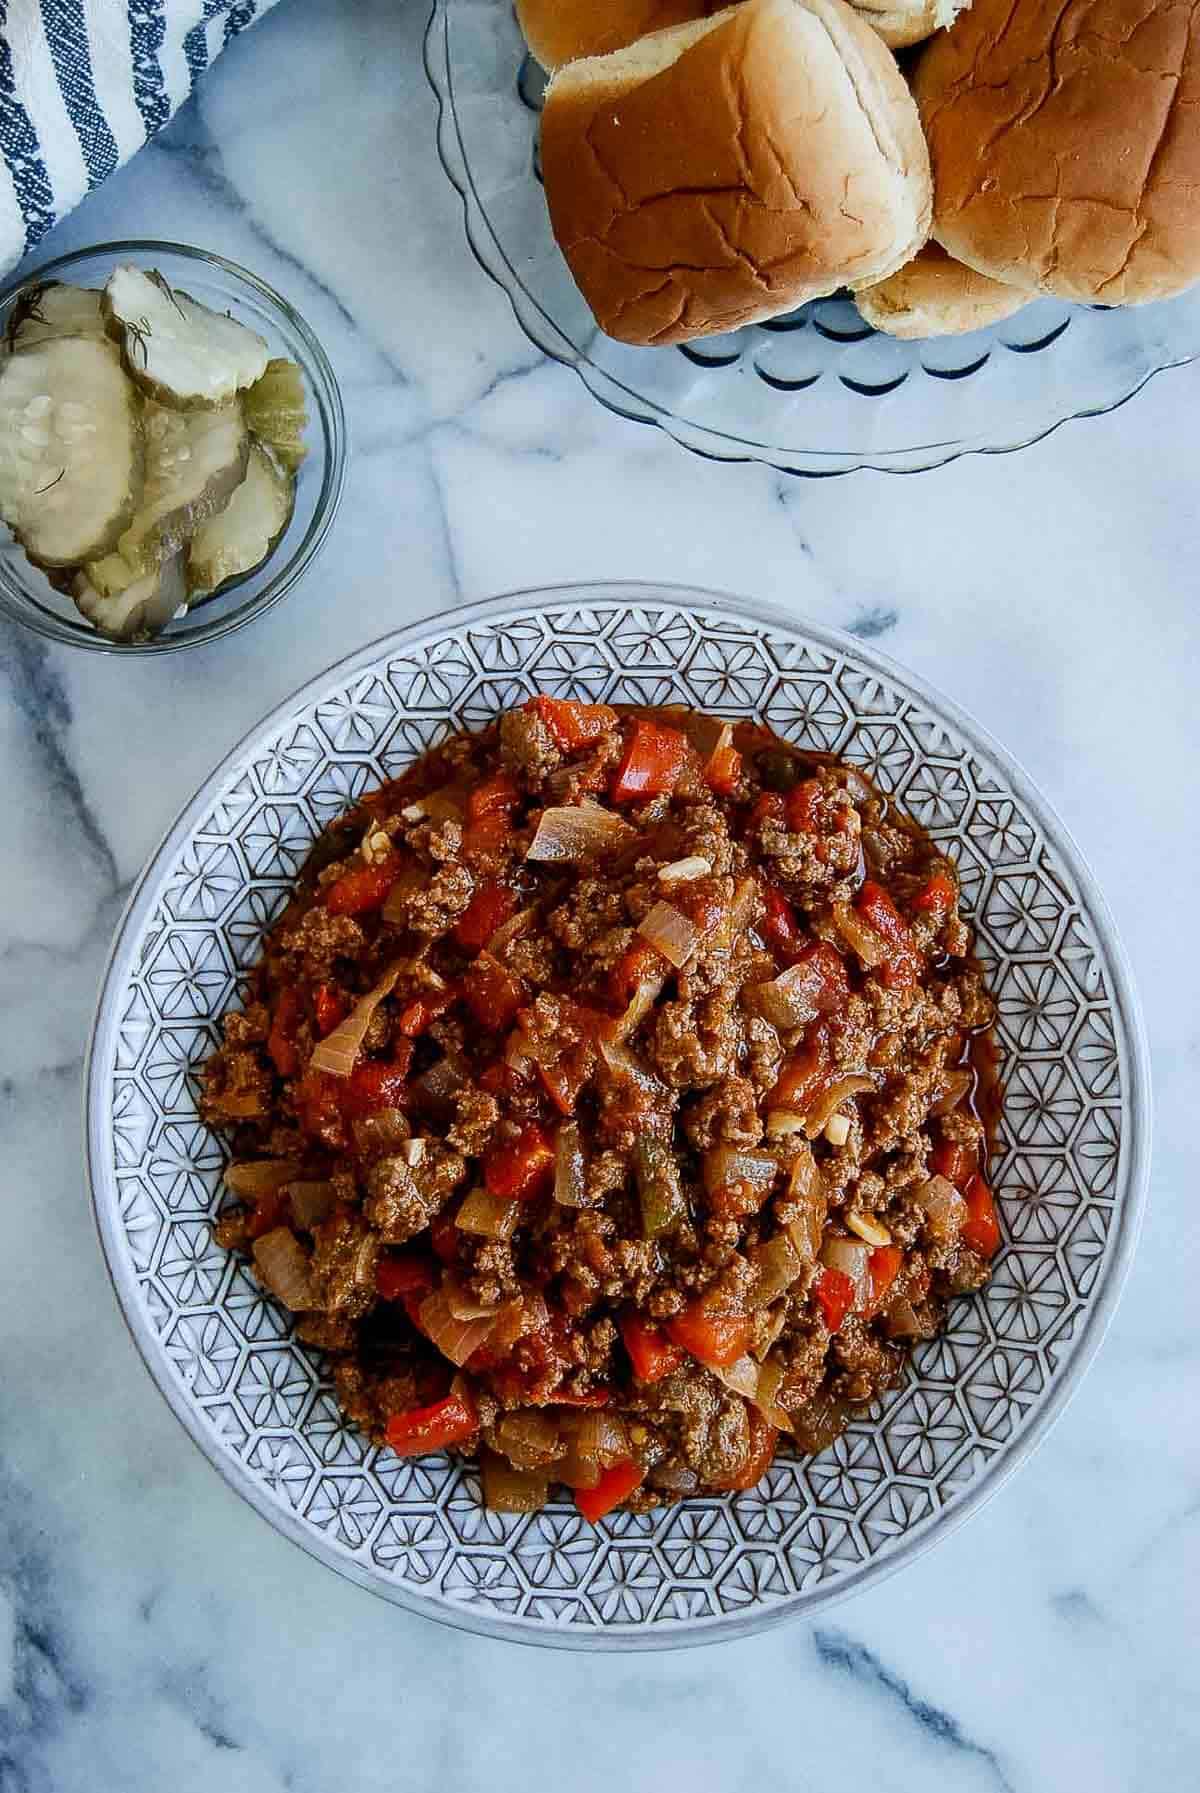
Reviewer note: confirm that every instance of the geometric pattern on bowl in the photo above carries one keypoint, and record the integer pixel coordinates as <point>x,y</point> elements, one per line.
<point>1069,1172</point>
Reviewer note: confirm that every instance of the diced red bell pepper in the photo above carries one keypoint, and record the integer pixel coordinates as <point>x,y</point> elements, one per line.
<point>281,1043</point>
<point>444,1236</point>
<point>877,908</point>
<point>416,1017</point>
<point>832,990</point>
<point>884,1265</point>
<point>489,908</point>
<point>318,1108</point>
<point>805,1073</point>
<point>937,897</point>
<point>269,1211</point>
<point>835,1296</point>
<point>653,759</point>
<point>364,888</point>
<point>519,1169</point>
<point>377,1083</point>
<point>637,965</point>
<point>780,928</point>
<point>486,838</point>
<point>329,1008</point>
<point>723,770</point>
<point>396,1277</point>
<point>615,1485</point>
<point>767,808</point>
<point>716,1339</point>
<point>492,994</point>
<point>763,1439</point>
<point>652,1355</point>
<point>981,1229</point>
<point>450,1421</point>
<point>496,796</point>
<point>802,806</point>
<point>572,725</point>
<point>952,1159</point>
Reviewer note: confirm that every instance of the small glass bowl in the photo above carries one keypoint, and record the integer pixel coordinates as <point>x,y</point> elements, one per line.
<point>27,596</point>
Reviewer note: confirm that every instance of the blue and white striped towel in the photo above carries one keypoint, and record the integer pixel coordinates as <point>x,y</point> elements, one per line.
<point>83,84</point>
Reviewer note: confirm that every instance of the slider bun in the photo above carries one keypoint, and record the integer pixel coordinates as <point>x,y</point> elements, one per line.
<point>936,296</point>
<point>731,169</point>
<point>1065,141</point>
<point>559,31</point>
<point>904,22</point>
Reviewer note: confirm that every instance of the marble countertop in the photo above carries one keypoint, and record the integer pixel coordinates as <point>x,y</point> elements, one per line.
<point>154,1633</point>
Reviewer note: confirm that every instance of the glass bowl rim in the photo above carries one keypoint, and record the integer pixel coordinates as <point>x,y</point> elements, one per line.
<point>1136,1117</point>
<point>331,414</point>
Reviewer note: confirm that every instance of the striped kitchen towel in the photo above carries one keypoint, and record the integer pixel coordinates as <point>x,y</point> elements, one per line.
<point>84,83</point>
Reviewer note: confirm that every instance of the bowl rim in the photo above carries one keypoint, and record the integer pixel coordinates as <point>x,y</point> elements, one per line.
<point>1135,1139</point>
<point>331,414</point>
<point>708,441</point>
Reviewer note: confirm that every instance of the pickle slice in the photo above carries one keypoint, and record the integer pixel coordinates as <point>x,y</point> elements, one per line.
<point>140,608</point>
<point>70,449</point>
<point>195,461</point>
<point>177,351</point>
<point>241,536</point>
<point>54,309</point>
<point>277,412</point>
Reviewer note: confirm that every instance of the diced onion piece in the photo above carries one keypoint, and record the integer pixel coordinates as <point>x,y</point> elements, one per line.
<point>455,1339</point>
<point>509,1490</point>
<point>530,1439</point>
<point>957,1086</point>
<point>465,1306</point>
<point>770,1377</point>
<point>509,930</point>
<point>741,1377</point>
<point>731,1164</point>
<point>486,1214</point>
<point>837,1129</point>
<point>337,1052</point>
<point>262,1177</point>
<point>625,1063</point>
<point>867,1229</point>
<point>789,1000</point>
<point>446,805</point>
<point>776,1264</point>
<point>601,1437</point>
<point>283,1264</point>
<point>806,1191</point>
<point>945,1209</point>
<point>518,1053</point>
<point>641,1002</point>
<point>853,1258</point>
<point>396,903</point>
<point>831,1100</point>
<point>570,1176</point>
<point>577,831</point>
<point>682,871</point>
<point>782,1122</point>
<point>859,937</point>
<point>312,1203</point>
<point>412,1151</point>
<point>668,929</point>
<point>776,1321</point>
<point>900,1320</point>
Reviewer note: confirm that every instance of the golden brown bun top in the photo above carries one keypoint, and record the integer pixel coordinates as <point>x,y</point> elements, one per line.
<point>934,295</point>
<point>734,168</point>
<point>559,31</point>
<point>1065,142</point>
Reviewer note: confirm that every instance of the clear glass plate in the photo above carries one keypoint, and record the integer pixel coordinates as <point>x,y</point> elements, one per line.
<point>1070,1170</point>
<point>818,392</point>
